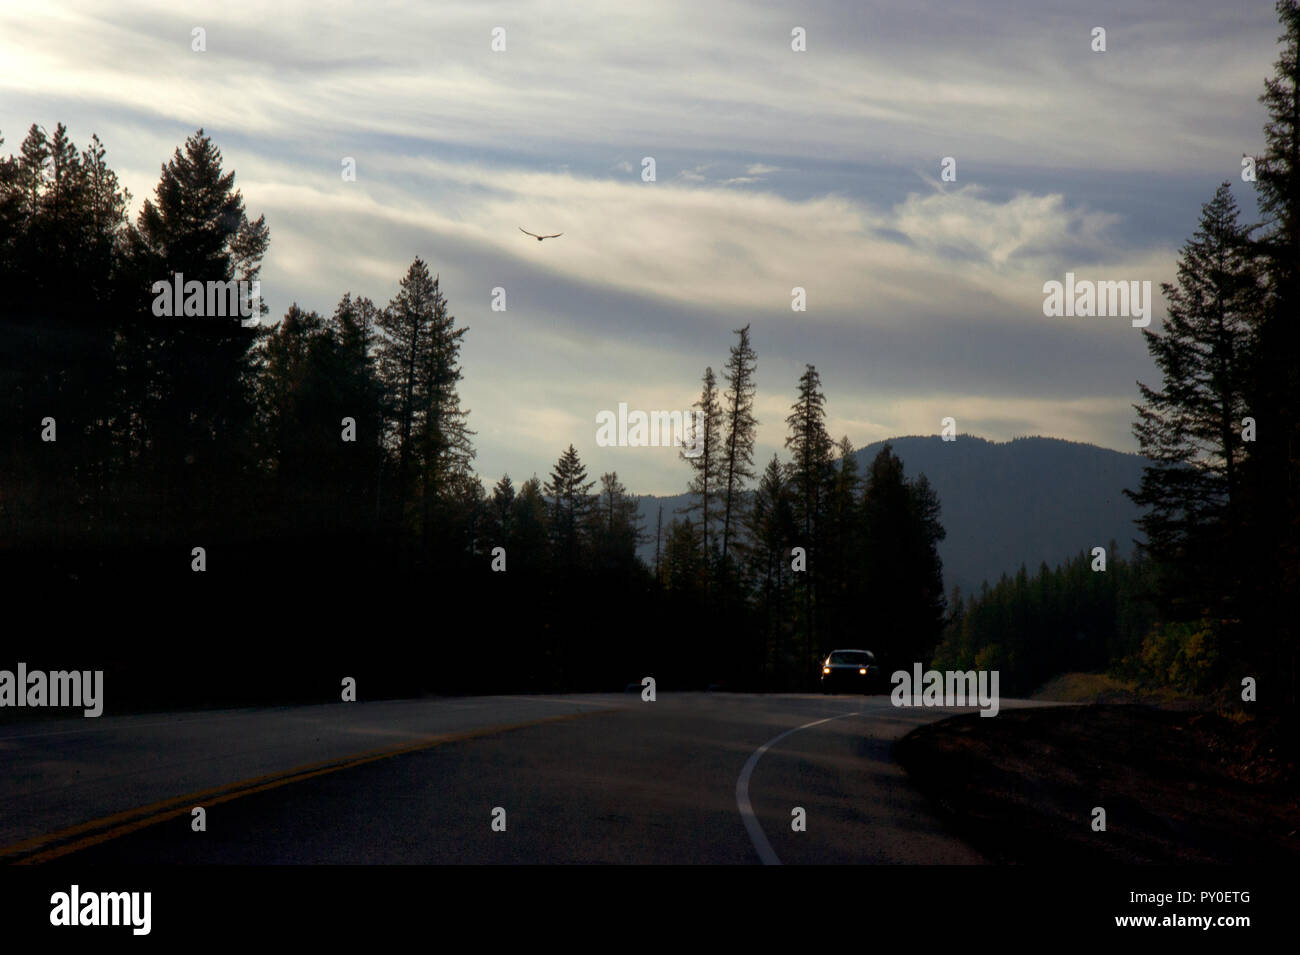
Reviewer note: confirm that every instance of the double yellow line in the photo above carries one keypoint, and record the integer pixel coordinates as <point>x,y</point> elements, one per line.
<point>75,838</point>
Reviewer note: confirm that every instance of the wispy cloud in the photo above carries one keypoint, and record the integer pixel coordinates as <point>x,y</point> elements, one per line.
<point>774,169</point>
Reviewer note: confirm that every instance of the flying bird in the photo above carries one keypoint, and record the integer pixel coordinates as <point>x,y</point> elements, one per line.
<point>539,238</point>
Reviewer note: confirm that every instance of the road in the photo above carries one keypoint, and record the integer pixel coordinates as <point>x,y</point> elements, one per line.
<point>688,778</point>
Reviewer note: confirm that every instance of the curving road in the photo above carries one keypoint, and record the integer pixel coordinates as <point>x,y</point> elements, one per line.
<point>689,778</point>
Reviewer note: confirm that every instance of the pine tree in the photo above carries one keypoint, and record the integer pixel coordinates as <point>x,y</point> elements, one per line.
<point>188,380</point>
<point>11,204</point>
<point>902,572</point>
<point>571,504</point>
<point>738,441</point>
<point>196,222</point>
<point>58,325</point>
<point>296,389</point>
<point>810,446</point>
<point>706,461</point>
<point>464,511</point>
<point>771,527</point>
<point>530,542</point>
<point>927,532</point>
<point>770,522</point>
<point>107,204</point>
<point>65,192</point>
<point>501,509</point>
<point>33,260</point>
<point>615,524</point>
<point>418,358</point>
<point>404,353</point>
<point>32,164</point>
<point>683,569</point>
<point>810,470</point>
<point>108,200</point>
<point>360,397</point>
<point>445,445</point>
<point>1190,427</point>
<point>840,573</point>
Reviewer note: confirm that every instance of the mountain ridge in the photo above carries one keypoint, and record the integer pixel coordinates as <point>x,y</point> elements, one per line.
<point>1003,503</point>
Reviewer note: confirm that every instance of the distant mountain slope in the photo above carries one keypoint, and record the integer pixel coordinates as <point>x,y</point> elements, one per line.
<point>1004,503</point>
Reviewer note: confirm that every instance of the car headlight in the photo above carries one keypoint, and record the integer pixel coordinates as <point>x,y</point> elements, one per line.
<point>862,670</point>
<point>826,669</point>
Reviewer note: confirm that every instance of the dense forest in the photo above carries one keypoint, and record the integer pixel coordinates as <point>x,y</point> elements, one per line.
<point>1027,500</point>
<point>1070,618</point>
<point>266,509</point>
<point>213,511</point>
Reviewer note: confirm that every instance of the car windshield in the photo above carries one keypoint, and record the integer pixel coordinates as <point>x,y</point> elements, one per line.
<point>851,657</point>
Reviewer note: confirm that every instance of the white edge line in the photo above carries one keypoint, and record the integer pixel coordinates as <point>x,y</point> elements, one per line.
<point>752,826</point>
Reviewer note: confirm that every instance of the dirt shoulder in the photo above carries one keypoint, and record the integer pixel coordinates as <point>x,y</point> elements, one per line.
<point>1178,786</point>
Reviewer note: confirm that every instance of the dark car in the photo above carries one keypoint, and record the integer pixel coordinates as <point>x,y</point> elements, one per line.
<point>851,671</point>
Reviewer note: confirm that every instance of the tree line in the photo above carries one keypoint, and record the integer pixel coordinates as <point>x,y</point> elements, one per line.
<point>1070,618</point>
<point>331,450</point>
<point>813,556</point>
<point>324,467</point>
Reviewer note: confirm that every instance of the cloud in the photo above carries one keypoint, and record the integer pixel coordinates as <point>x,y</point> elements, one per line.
<point>775,169</point>
<point>1012,84</point>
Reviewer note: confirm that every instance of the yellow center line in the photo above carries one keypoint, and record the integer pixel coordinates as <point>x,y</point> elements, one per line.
<point>119,824</point>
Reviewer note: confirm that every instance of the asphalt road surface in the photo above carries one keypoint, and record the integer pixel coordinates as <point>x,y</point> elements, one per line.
<point>688,778</point>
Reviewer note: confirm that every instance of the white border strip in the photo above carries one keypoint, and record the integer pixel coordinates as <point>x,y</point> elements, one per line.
<point>756,834</point>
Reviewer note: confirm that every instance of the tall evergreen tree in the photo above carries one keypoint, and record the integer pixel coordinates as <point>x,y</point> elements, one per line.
<point>32,164</point>
<point>299,381</point>
<point>811,471</point>
<point>740,430</point>
<point>841,569</point>
<point>444,444</point>
<point>189,379</point>
<point>902,571</point>
<point>771,527</point>
<point>107,204</point>
<point>63,227</point>
<point>571,503</point>
<point>706,462</point>
<point>418,359</point>
<point>196,223</point>
<point>1191,426</point>
<point>360,397</point>
<point>11,200</point>
<point>62,218</point>
<point>405,353</point>
<point>615,523</point>
<point>530,526</point>
<point>811,448</point>
<point>683,568</point>
<point>501,508</point>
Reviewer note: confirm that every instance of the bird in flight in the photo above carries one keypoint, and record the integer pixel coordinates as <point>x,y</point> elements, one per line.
<point>539,238</point>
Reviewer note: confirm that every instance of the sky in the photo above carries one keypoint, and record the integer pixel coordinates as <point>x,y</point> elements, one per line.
<point>775,168</point>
